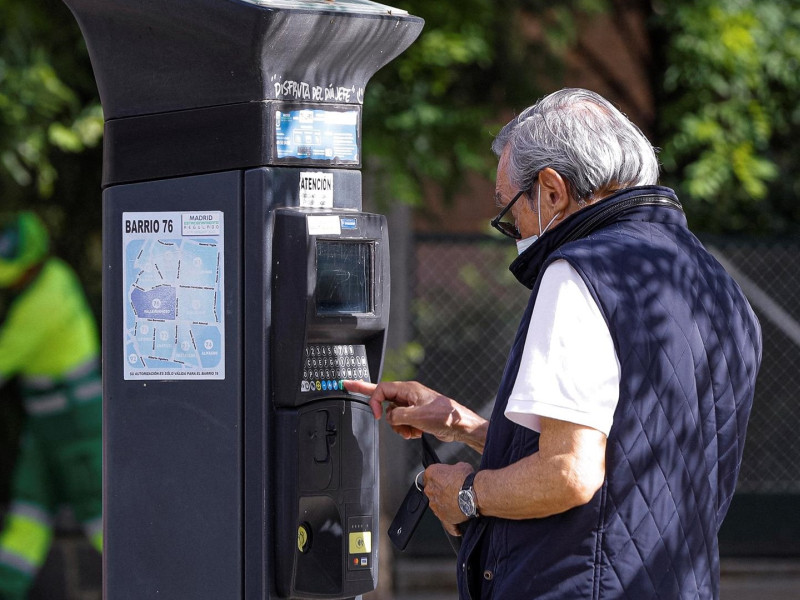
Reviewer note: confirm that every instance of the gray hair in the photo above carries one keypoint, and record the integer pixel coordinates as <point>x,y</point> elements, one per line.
<point>581,136</point>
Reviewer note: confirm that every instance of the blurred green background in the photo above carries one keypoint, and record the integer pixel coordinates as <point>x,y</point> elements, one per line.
<point>720,78</point>
<point>717,94</point>
<point>713,83</point>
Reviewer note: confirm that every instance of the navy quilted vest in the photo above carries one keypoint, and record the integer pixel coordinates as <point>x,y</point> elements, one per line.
<point>689,347</point>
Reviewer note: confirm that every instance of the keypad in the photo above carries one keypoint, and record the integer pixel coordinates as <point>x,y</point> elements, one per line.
<point>326,365</point>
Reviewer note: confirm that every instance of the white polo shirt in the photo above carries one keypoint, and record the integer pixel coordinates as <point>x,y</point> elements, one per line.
<point>569,369</point>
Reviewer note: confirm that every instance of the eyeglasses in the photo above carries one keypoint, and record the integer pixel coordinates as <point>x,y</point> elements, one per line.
<point>505,227</point>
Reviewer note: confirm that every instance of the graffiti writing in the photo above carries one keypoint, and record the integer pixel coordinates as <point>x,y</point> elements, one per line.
<point>301,90</point>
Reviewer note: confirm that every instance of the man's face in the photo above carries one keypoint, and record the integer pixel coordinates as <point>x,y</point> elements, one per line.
<point>504,191</point>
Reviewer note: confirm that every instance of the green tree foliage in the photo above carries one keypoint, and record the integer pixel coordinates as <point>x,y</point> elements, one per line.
<point>724,76</point>
<point>51,126</point>
<point>425,113</point>
<point>724,73</point>
<point>47,98</point>
<point>430,115</point>
<point>728,112</point>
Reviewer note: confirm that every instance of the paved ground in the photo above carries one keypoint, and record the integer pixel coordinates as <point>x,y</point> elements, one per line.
<point>742,579</point>
<point>73,573</point>
<point>760,579</point>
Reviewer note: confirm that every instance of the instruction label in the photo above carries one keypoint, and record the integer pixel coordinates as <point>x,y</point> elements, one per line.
<point>316,190</point>
<point>317,134</point>
<point>173,288</point>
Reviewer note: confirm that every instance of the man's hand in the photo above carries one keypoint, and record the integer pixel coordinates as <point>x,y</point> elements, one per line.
<point>442,484</point>
<point>413,409</point>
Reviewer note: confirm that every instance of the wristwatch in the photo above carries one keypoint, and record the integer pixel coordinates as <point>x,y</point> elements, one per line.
<point>467,501</point>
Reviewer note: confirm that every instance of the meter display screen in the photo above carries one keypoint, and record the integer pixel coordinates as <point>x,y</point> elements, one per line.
<point>344,277</point>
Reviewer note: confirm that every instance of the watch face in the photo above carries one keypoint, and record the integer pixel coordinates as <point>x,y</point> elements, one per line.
<point>466,503</point>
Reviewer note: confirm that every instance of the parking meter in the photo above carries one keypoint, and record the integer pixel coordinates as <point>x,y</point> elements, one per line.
<point>339,300</point>
<point>242,284</point>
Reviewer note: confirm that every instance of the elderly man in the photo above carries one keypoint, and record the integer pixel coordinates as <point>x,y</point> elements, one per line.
<point>612,453</point>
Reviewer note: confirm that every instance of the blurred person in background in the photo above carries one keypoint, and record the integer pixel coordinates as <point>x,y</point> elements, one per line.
<point>49,343</point>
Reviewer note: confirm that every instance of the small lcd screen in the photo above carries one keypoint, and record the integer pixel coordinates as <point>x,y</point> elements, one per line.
<point>344,277</point>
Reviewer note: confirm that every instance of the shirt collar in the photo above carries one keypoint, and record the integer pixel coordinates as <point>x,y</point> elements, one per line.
<point>643,202</point>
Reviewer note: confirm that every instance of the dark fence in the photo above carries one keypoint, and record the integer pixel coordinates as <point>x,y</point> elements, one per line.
<point>466,307</point>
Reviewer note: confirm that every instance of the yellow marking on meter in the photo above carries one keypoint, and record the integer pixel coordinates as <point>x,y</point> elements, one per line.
<point>302,538</point>
<point>361,542</point>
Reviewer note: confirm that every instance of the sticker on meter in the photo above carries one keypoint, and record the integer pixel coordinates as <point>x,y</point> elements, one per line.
<point>173,293</point>
<point>323,225</point>
<point>316,190</point>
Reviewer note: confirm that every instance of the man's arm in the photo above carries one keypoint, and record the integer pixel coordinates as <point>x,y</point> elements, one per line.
<point>566,472</point>
<point>413,409</point>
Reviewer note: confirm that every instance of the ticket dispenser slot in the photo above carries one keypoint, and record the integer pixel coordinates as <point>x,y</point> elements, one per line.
<point>330,290</point>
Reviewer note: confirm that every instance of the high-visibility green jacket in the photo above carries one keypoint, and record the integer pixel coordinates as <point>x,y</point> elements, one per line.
<point>49,329</point>
<point>48,338</point>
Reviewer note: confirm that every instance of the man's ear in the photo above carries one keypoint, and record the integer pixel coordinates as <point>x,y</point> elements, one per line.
<point>554,191</point>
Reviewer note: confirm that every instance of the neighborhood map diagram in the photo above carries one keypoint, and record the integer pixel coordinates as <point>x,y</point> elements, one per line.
<point>174,325</point>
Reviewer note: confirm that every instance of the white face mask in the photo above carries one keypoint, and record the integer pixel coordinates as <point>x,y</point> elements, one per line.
<point>527,242</point>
